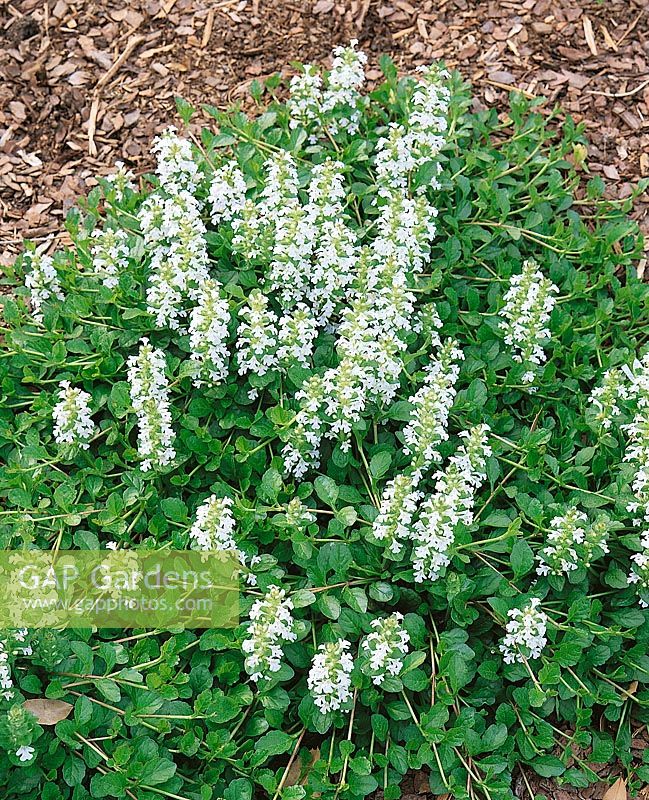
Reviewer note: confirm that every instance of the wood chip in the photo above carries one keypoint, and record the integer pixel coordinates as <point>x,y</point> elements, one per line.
<point>132,43</point>
<point>207,30</point>
<point>590,36</point>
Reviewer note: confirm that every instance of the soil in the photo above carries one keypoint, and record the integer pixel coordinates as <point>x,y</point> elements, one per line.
<point>84,83</point>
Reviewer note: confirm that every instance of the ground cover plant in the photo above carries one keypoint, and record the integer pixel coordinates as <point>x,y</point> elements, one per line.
<point>387,351</point>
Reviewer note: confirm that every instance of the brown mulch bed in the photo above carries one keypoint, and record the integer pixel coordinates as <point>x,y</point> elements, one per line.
<point>87,82</point>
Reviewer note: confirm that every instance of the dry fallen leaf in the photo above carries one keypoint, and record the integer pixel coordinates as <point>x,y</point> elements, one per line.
<point>617,791</point>
<point>299,770</point>
<point>48,712</point>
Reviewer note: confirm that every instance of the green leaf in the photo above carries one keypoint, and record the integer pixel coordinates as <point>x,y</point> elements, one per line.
<point>380,464</point>
<point>112,784</point>
<point>522,558</point>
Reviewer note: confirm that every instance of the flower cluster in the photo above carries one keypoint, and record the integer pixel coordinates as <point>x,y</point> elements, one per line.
<point>329,678</point>
<point>256,335</point>
<point>302,451</point>
<point>213,529</point>
<point>432,403</point>
<point>385,647</point>
<point>208,334</point>
<point>292,233</point>
<point>179,264</point>
<point>528,304</point>
<point>606,398</point>
<point>298,515</point>
<point>121,181</point>
<point>271,624</point>
<point>42,281</point>
<point>12,643</point>
<point>408,146</point>
<point>176,168</point>
<point>451,503</point>
<point>6,683</point>
<point>345,79</point>
<point>639,574</point>
<point>637,451</point>
<point>525,633</point>
<point>340,99</point>
<point>110,254</point>
<point>392,526</point>
<point>559,554</point>
<point>150,399</point>
<point>296,334</point>
<point>72,416</point>
<point>335,245</point>
<point>227,195</point>
<point>305,101</point>
<point>572,542</point>
<point>214,525</point>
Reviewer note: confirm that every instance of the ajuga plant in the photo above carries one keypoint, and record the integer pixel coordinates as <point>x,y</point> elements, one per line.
<point>393,353</point>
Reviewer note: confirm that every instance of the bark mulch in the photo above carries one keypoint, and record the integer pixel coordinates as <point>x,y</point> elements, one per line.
<point>84,83</point>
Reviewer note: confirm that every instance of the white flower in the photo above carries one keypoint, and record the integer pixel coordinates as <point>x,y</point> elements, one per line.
<point>329,678</point>
<point>6,684</point>
<point>227,196</point>
<point>528,304</point>
<point>326,191</point>
<point>110,254</point>
<point>423,134</point>
<point>344,400</point>
<point>398,506</point>
<point>297,333</point>
<point>121,180</point>
<point>336,245</point>
<point>298,515</point>
<point>637,451</point>
<point>346,77</point>
<point>71,415</point>
<point>283,231</point>
<point>42,281</point>
<point>373,329</point>
<point>214,525</point>
<point>305,99</point>
<point>180,263</point>
<point>252,234</point>
<point>25,752</point>
<point>302,451</point>
<point>567,531</point>
<point>385,647</point>
<point>332,272</point>
<point>213,529</point>
<point>271,623</point>
<point>257,336</point>
<point>290,269</point>
<point>525,633</point>
<point>281,186</point>
<point>606,398</point>
<point>150,398</point>
<point>432,404</point>
<point>450,504</point>
<point>176,167</point>
<point>208,334</point>
<point>639,574</point>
